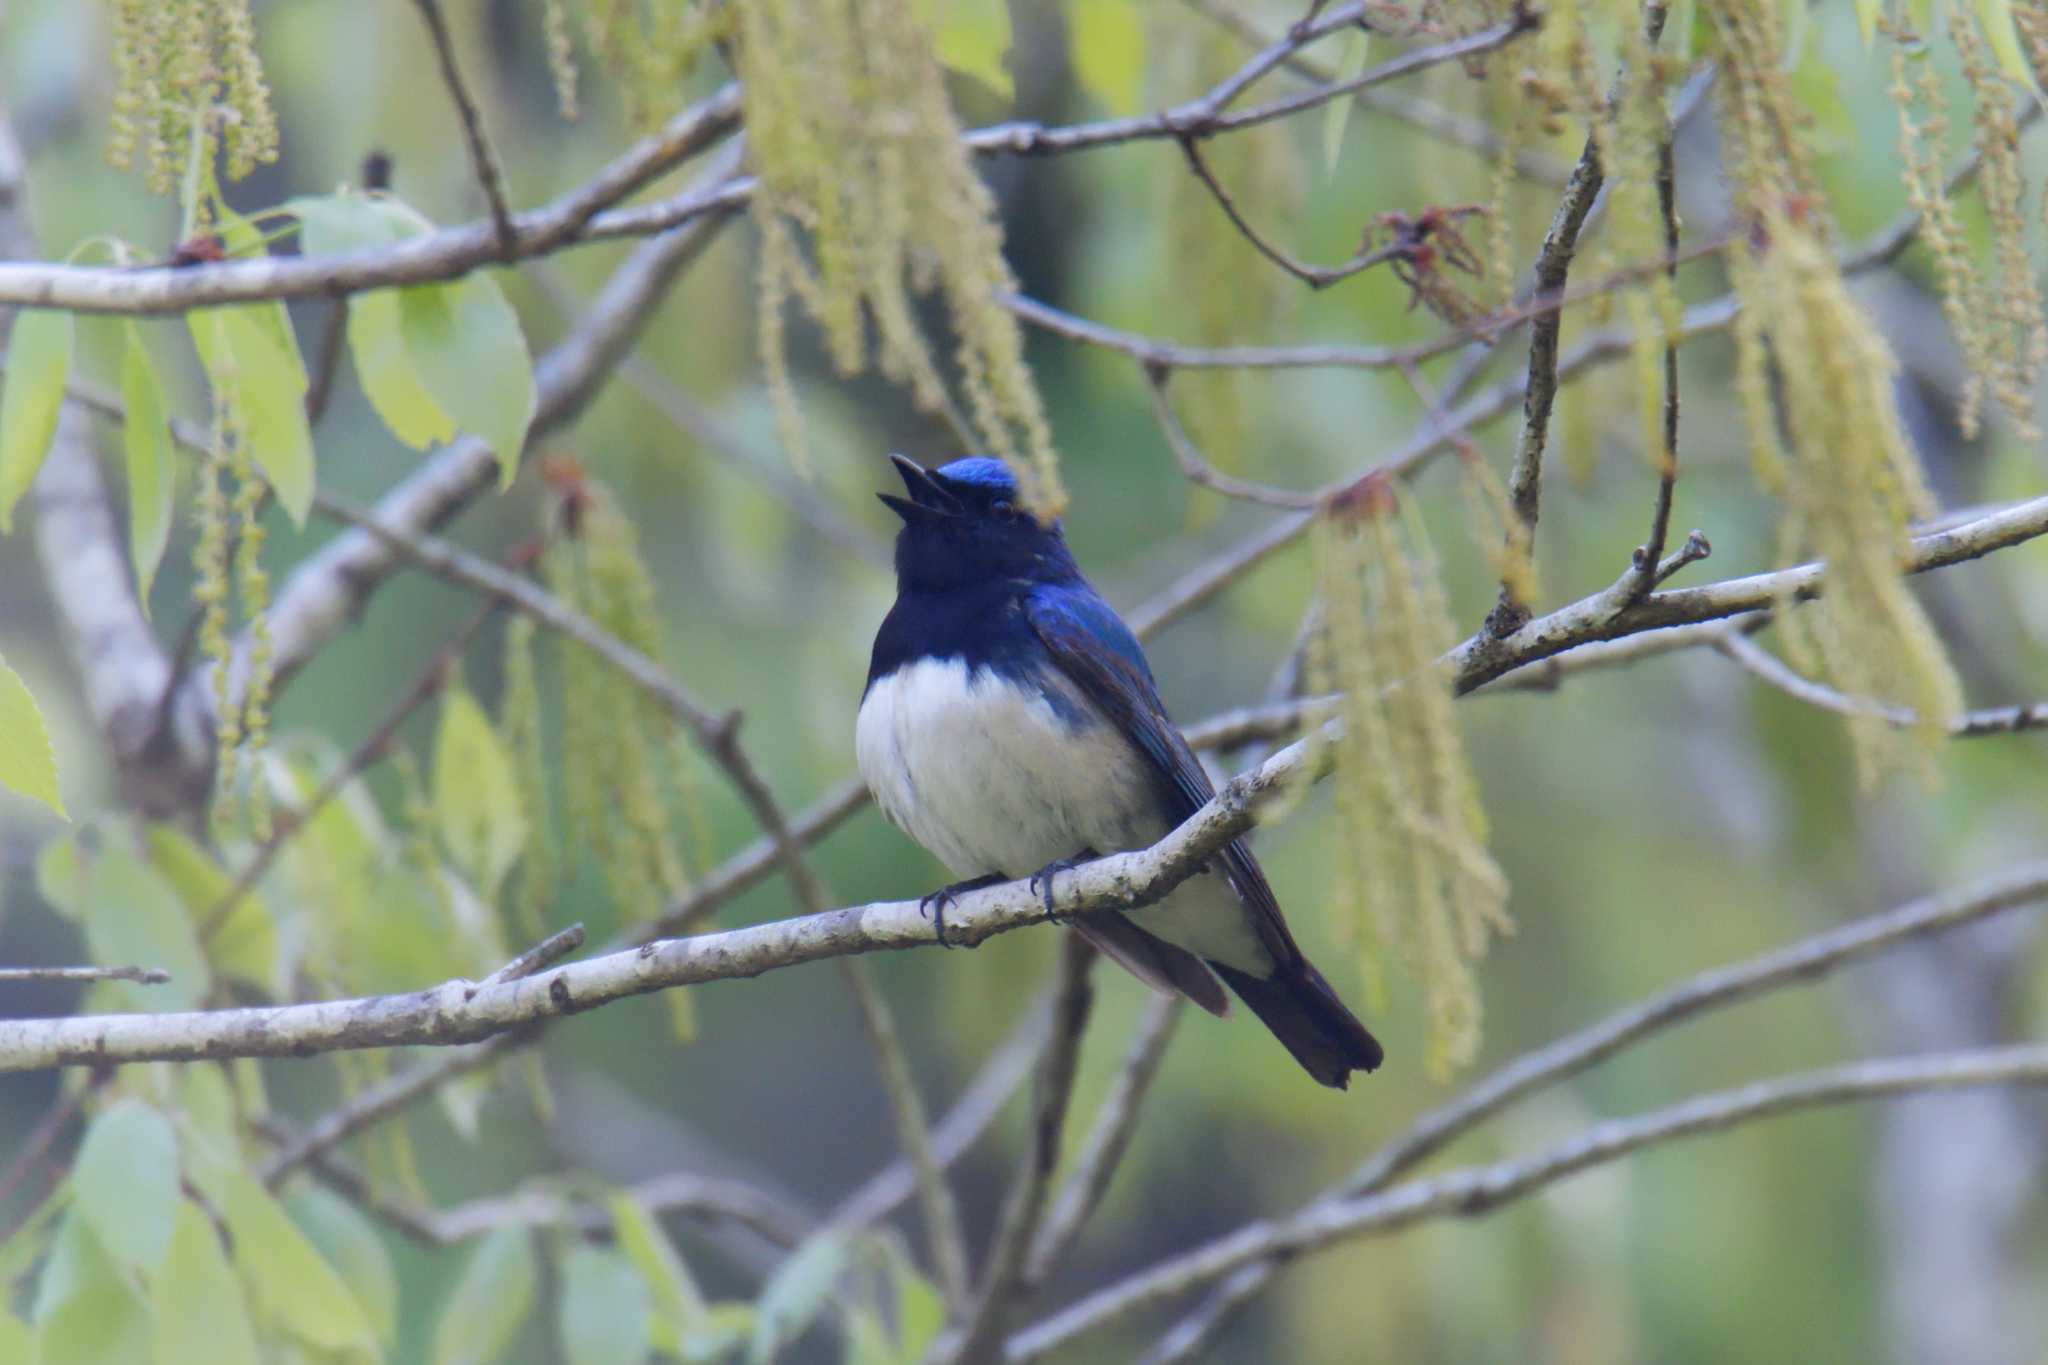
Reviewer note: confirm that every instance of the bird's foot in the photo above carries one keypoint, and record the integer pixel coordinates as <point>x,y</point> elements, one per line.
<point>933,907</point>
<point>1041,880</point>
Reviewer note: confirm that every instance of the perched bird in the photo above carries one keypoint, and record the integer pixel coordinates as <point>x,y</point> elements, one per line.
<point>1011,726</point>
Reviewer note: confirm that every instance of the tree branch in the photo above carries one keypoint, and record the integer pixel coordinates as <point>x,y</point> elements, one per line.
<point>489,175</point>
<point>1760,662</point>
<point>1004,1281</point>
<point>1476,1190</point>
<point>1104,1146</point>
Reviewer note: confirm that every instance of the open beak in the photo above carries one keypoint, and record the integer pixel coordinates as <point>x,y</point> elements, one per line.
<point>929,500</point>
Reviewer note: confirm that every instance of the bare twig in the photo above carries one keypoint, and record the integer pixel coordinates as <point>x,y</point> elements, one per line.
<point>1648,558</point>
<point>482,158</point>
<point>551,949</point>
<point>1199,470</point>
<point>1003,1280</point>
<point>1407,108</point>
<point>913,1129</point>
<point>439,255</point>
<point>1998,720</point>
<point>1104,1146</point>
<point>1314,276</point>
<point>148,976</point>
<point>1553,268</point>
<point>1001,1074</point>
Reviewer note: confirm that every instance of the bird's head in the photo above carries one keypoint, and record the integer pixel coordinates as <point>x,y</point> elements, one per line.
<point>963,525</point>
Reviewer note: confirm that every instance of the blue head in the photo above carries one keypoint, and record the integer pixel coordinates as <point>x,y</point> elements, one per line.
<point>962,526</point>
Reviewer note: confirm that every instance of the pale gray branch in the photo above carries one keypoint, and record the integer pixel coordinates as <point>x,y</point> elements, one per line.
<point>1477,1190</point>
<point>1761,663</point>
<point>148,976</point>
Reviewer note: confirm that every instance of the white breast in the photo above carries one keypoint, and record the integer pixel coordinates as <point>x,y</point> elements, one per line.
<point>990,776</point>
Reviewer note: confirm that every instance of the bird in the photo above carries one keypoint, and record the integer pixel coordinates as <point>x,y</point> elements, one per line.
<point>1011,726</point>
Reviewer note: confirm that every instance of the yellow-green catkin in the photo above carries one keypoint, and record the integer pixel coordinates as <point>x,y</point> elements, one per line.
<point>1850,486</point>
<point>858,150</point>
<point>188,81</point>
<point>1830,446</point>
<point>2018,334</point>
<point>520,718</point>
<point>252,588</point>
<point>614,736</point>
<point>561,45</point>
<point>1412,844</point>
<point>647,50</point>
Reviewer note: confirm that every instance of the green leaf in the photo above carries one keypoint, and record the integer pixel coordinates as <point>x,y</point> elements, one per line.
<point>208,1135</point>
<point>1996,18</point>
<point>28,764</point>
<point>1337,113</point>
<point>678,1305</point>
<point>85,1311</point>
<point>490,1301</point>
<point>920,1309</point>
<point>345,1237</point>
<point>470,353</point>
<point>476,796</point>
<point>355,222</point>
<point>797,1292</point>
<point>603,1313</point>
<point>973,37</point>
<point>201,1313</point>
<point>244,945</point>
<point>295,1289</point>
<point>146,441</point>
<point>252,359</point>
<point>134,918</point>
<point>1867,12</point>
<point>31,393</point>
<point>126,1178</point>
<point>1106,45</point>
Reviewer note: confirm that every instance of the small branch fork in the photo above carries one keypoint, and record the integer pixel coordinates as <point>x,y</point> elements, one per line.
<point>490,176</point>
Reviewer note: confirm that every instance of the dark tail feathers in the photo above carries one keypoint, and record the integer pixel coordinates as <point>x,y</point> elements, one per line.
<point>1308,1018</point>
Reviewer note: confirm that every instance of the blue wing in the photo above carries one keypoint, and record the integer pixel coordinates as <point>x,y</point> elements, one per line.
<point>1096,650</point>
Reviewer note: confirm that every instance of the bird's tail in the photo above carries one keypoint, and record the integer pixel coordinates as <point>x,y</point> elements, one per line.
<point>1309,1020</point>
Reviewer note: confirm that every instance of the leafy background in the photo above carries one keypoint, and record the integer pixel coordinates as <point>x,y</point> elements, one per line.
<point>1651,821</point>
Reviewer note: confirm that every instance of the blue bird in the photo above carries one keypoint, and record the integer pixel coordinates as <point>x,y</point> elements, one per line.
<point>1011,726</point>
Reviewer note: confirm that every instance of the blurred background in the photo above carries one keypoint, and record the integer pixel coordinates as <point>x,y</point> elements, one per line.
<point>1653,821</point>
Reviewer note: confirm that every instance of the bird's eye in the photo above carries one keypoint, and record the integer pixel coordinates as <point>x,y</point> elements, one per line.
<point>1002,510</point>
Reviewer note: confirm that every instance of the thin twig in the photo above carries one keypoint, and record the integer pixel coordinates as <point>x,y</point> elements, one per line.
<point>1003,1280</point>
<point>548,951</point>
<point>1553,269</point>
<point>1103,1148</point>
<point>1006,1068</point>
<point>148,976</point>
<point>1648,558</point>
<point>1474,134</point>
<point>1997,720</point>
<point>482,159</point>
<point>1199,470</point>
<point>913,1129</point>
<point>1314,276</point>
